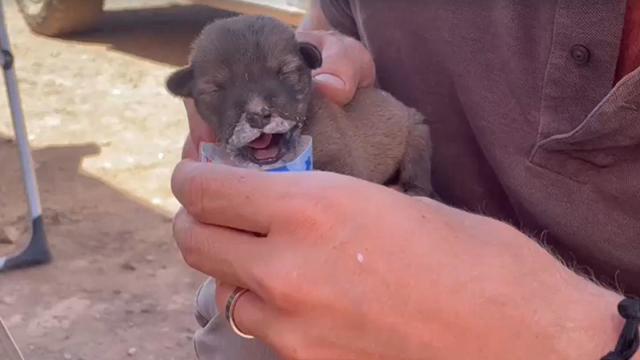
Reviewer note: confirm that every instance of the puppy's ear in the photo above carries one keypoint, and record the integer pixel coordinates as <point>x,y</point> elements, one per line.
<point>180,83</point>
<point>311,54</point>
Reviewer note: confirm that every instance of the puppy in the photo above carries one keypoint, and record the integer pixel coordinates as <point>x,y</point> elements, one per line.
<point>251,82</point>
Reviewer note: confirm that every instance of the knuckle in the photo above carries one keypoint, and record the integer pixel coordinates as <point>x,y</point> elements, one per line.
<point>309,219</point>
<point>277,283</point>
<point>322,206</point>
<point>326,204</point>
<point>189,252</point>
<point>190,259</point>
<point>316,208</point>
<point>195,199</point>
<point>363,68</point>
<point>183,233</point>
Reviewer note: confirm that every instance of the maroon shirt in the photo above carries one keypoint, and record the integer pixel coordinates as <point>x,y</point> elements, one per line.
<point>526,124</point>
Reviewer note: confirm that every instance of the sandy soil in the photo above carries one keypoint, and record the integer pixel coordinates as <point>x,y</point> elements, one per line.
<point>105,137</point>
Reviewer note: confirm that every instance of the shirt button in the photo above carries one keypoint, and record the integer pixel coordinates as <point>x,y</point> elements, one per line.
<point>580,54</point>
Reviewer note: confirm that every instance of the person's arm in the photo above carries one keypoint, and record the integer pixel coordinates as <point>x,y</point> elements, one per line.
<point>345,269</point>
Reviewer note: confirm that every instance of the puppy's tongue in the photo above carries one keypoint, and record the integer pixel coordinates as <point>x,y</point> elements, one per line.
<point>262,142</point>
<point>263,148</point>
<point>266,154</point>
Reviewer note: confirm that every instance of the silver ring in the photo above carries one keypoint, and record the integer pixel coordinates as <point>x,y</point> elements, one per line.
<point>231,306</point>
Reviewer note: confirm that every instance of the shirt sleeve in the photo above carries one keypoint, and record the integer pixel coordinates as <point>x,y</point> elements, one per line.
<point>340,16</point>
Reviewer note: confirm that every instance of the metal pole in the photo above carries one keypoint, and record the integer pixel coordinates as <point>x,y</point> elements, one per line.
<point>37,251</point>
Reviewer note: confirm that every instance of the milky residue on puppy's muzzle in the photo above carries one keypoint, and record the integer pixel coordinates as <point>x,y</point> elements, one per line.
<point>244,133</point>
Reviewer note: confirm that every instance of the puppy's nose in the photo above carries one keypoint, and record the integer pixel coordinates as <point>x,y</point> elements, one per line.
<point>259,119</point>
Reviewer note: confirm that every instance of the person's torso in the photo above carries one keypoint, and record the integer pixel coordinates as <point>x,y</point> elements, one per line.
<point>527,124</point>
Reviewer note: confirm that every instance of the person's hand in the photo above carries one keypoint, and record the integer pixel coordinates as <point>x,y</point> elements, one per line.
<point>199,132</point>
<point>338,268</point>
<point>347,66</point>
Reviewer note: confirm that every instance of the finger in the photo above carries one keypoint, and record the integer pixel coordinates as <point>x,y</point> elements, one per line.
<point>222,253</point>
<point>346,65</point>
<point>238,198</point>
<point>348,59</point>
<point>199,132</point>
<point>190,150</point>
<point>251,315</point>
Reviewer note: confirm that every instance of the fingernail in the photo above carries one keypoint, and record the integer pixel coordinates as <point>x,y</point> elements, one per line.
<point>330,80</point>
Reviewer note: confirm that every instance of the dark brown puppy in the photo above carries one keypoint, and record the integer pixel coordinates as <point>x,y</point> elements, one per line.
<point>251,82</point>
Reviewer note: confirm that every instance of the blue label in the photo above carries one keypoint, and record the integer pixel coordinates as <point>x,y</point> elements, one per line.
<point>304,162</point>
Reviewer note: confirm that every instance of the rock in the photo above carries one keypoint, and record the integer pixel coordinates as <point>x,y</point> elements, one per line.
<point>54,218</point>
<point>149,258</point>
<point>9,234</point>
<point>128,266</point>
<point>132,351</point>
<point>148,308</point>
<point>67,356</point>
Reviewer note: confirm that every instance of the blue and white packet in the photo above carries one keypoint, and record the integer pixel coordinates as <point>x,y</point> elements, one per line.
<point>301,159</point>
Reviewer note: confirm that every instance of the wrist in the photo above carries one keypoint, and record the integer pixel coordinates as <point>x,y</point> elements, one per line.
<point>579,318</point>
<point>568,316</point>
<point>523,302</point>
<point>601,325</point>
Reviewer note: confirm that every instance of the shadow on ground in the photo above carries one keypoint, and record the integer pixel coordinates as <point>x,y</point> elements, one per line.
<point>115,271</point>
<point>161,34</point>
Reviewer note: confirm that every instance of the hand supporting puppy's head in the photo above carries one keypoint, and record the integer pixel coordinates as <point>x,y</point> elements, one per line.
<point>251,82</point>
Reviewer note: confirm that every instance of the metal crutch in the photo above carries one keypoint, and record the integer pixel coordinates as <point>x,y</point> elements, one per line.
<point>37,250</point>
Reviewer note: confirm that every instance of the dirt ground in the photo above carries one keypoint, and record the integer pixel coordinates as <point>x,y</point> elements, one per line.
<point>105,137</point>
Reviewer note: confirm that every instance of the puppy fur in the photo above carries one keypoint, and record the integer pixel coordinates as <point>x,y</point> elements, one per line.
<point>249,65</point>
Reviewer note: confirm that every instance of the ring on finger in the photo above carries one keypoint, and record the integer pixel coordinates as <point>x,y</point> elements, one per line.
<point>230,307</point>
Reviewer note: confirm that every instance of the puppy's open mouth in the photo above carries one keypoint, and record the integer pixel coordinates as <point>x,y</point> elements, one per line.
<point>267,149</point>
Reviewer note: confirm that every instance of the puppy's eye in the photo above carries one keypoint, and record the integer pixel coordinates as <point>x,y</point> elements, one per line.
<point>289,71</point>
<point>287,75</point>
<point>209,89</point>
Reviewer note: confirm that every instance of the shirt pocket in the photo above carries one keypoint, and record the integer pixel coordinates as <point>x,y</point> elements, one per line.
<point>604,150</point>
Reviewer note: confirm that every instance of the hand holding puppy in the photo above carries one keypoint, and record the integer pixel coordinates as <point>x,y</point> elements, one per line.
<point>346,65</point>
<point>346,269</point>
